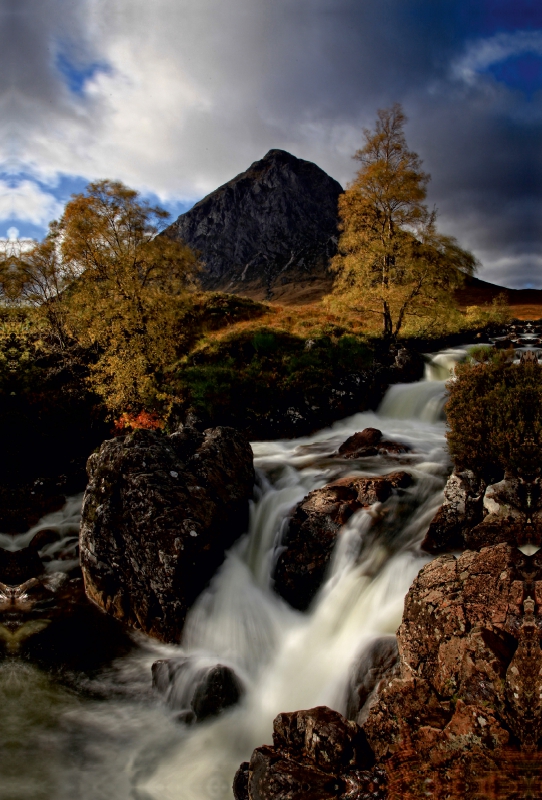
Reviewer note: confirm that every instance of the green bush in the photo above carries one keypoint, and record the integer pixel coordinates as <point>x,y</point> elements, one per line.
<point>494,415</point>
<point>253,374</point>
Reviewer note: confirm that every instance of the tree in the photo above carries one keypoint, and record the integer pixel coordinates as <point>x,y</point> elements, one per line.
<point>392,261</point>
<point>33,275</point>
<point>117,286</point>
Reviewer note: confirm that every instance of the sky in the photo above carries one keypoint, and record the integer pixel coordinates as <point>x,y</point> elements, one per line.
<point>175,97</point>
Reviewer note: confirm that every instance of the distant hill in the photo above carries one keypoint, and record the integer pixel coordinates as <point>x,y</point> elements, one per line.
<point>525,303</point>
<point>268,230</point>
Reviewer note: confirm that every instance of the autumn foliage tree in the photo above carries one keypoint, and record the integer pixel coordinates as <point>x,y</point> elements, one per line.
<point>105,279</point>
<point>392,260</point>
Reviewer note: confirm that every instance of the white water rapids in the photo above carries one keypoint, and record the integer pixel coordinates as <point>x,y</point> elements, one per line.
<point>64,745</point>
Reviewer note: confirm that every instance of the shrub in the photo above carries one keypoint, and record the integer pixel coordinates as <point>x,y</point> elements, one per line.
<point>494,415</point>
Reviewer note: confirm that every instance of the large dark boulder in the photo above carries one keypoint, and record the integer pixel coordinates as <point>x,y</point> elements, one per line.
<point>313,529</point>
<point>316,755</point>
<point>275,222</point>
<point>158,515</point>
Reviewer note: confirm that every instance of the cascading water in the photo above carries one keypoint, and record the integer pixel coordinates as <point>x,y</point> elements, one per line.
<point>122,741</point>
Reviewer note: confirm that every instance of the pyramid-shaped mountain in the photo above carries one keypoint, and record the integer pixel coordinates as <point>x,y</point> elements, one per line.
<point>272,225</point>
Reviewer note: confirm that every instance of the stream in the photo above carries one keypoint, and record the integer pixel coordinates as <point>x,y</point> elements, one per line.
<point>111,737</point>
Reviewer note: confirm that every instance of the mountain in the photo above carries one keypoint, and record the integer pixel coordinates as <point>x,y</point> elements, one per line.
<point>271,226</point>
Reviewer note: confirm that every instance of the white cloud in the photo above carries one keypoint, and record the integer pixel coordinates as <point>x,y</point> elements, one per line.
<point>484,53</point>
<point>27,201</point>
<point>193,91</point>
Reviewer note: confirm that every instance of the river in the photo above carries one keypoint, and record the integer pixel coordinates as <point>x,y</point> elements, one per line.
<point>111,737</point>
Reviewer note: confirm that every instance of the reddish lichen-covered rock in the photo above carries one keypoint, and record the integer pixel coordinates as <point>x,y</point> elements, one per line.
<point>469,695</point>
<point>316,754</point>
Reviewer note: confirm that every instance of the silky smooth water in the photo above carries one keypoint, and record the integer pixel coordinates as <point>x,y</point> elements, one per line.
<point>112,738</point>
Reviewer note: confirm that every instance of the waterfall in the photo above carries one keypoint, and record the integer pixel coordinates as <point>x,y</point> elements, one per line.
<point>129,744</point>
<point>286,659</point>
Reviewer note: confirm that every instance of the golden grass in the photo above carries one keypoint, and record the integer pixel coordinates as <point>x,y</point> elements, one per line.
<point>305,321</point>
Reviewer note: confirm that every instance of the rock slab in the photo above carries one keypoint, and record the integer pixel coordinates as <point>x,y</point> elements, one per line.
<point>159,512</point>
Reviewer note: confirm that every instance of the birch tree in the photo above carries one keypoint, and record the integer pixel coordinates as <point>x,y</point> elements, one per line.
<point>392,260</point>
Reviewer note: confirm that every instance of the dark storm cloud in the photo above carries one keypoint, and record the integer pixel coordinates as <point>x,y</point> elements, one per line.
<point>176,96</point>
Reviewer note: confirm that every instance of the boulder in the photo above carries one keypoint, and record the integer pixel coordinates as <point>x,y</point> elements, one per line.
<point>188,686</point>
<point>510,509</point>
<point>468,700</point>
<point>461,510</point>
<point>158,515</point>
<point>316,754</point>
<point>409,366</point>
<point>369,442</point>
<point>313,529</point>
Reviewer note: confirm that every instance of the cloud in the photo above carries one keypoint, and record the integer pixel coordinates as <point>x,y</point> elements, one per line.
<point>484,53</point>
<point>174,97</point>
<point>26,201</point>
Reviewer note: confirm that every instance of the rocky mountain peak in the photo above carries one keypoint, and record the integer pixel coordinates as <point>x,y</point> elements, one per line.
<point>274,224</point>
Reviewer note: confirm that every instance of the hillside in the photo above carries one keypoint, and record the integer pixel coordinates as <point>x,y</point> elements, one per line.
<point>525,303</point>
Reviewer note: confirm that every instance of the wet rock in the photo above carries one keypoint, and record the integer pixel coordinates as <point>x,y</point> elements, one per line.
<point>409,366</point>
<point>158,515</point>
<point>217,690</point>
<point>377,664</point>
<point>322,737</point>
<point>240,782</point>
<point>314,527</point>
<point>203,691</point>
<point>474,515</point>
<point>316,754</point>
<point>468,698</point>
<point>369,442</point>
<point>462,509</point>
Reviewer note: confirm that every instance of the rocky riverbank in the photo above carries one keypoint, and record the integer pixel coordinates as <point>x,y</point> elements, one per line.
<point>455,710</point>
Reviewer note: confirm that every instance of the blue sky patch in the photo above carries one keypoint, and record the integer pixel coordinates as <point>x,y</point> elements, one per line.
<point>522,72</point>
<point>75,74</point>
